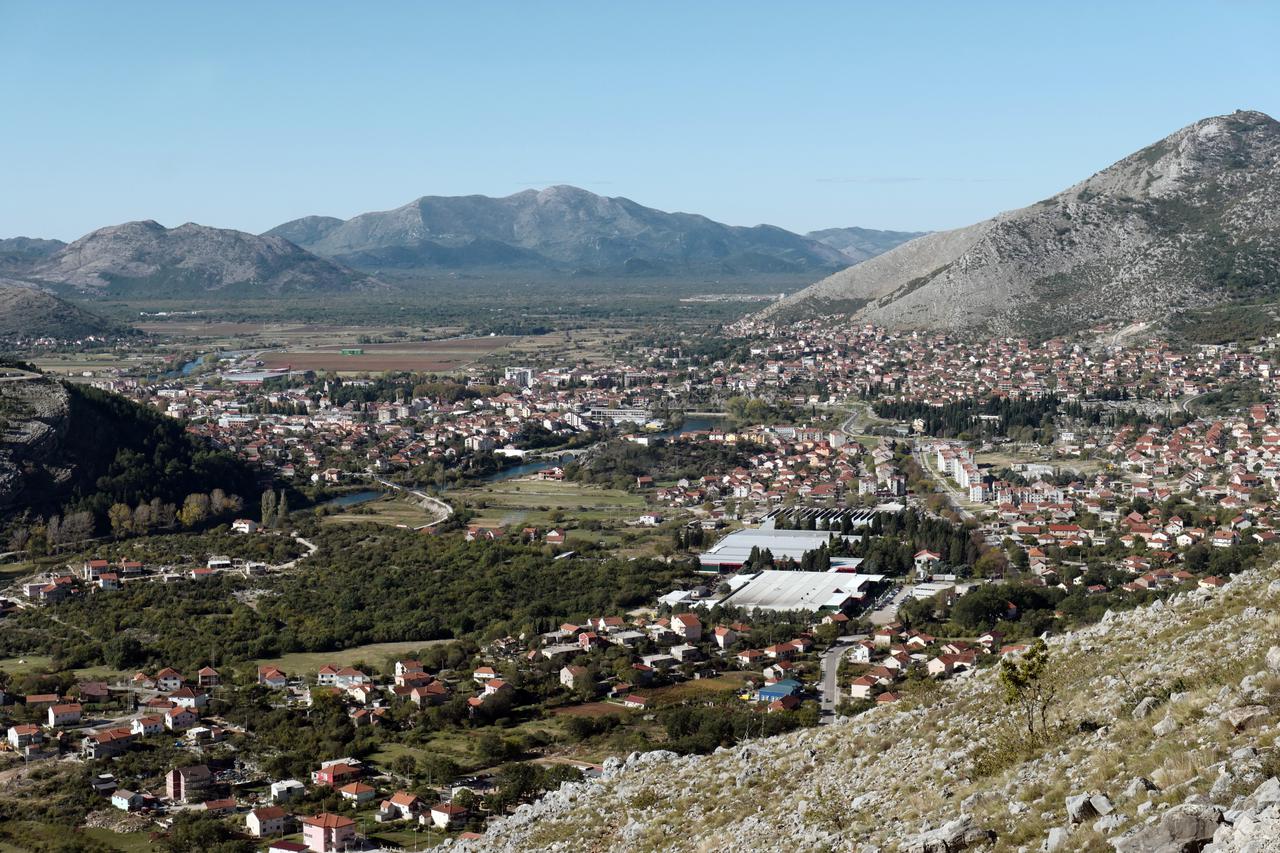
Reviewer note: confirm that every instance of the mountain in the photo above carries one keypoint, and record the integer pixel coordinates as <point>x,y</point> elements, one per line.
<point>20,251</point>
<point>1154,744</point>
<point>862,244</point>
<point>1187,223</point>
<point>63,444</point>
<point>145,258</point>
<point>26,312</point>
<point>559,228</point>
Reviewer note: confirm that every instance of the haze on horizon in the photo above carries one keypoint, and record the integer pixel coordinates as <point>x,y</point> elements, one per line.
<point>246,116</point>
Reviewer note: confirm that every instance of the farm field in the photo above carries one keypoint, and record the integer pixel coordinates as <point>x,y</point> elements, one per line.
<point>428,356</point>
<point>686,691</point>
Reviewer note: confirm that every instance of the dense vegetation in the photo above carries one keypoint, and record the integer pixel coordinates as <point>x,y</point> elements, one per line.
<point>150,458</point>
<point>361,587</point>
<point>619,463</point>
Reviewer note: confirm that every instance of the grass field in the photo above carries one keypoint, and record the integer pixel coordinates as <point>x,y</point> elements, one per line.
<point>531,501</point>
<point>306,663</point>
<point>429,356</point>
<point>28,664</point>
<point>689,690</point>
<point>392,511</point>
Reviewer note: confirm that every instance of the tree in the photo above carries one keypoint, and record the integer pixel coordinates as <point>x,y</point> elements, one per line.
<point>282,509</point>
<point>268,507</point>
<point>1030,686</point>
<point>195,510</point>
<point>121,518</point>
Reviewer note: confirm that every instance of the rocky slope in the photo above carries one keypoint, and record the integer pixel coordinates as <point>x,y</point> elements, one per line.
<point>558,228</point>
<point>1187,222</point>
<point>34,420</point>
<point>26,313</point>
<point>1165,740</point>
<point>145,258</point>
<point>862,244</point>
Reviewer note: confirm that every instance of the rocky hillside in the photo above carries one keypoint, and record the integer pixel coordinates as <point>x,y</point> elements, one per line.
<point>24,251</point>
<point>558,228</point>
<point>26,313</point>
<point>1189,222</point>
<point>1163,739</point>
<point>862,244</point>
<point>147,259</point>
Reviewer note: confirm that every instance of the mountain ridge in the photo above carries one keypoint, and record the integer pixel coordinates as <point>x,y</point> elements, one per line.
<point>558,228</point>
<point>145,258</point>
<point>1184,223</point>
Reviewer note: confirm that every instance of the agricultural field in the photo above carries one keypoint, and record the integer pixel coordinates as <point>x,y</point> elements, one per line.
<point>441,356</point>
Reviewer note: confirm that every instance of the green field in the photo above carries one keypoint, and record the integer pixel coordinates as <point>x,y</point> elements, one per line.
<point>306,663</point>
<point>391,511</point>
<point>532,502</point>
<point>28,664</point>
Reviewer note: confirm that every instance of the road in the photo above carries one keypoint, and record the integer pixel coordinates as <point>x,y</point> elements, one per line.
<point>953,494</point>
<point>443,511</point>
<point>828,684</point>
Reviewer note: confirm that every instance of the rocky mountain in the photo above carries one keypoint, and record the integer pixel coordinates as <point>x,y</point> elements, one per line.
<point>26,312</point>
<point>862,244</point>
<point>559,228</point>
<point>145,258</point>
<point>1162,738</point>
<point>1186,223</point>
<point>20,251</point>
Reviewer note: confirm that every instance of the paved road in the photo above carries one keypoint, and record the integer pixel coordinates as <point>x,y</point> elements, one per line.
<point>828,686</point>
<point>442,510</point>
<point>953,494</point>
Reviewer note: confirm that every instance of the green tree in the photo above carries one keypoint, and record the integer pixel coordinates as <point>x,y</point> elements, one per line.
<point>1029,686</point>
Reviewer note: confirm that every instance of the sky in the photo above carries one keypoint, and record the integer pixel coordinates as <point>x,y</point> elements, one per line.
<point>911,116</point>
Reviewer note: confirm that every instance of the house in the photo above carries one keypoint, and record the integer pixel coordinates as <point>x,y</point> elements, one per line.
<point>575,677</point>
<point>147,726</point>
<point>286,790</point>
<point>328,833</point>
<point>863,687</point>
<point>400,806</point>
<point>177,719</point>
<point>223,806</point>
<point>924,561</point>
<point>265,821</point>
<point>106,744</point>
<point>168,680</point>
<point>185,697</point>
<point>778,690</point>
<point>725,637</point>
<point>357,792</point>
<point>244,525</point>
<point>408,668</point>
<point>270,676</point>
<point>64,715</point>
<point>636,701</point>
<point>25,737</point>
<point>555,537</point>
<point>207,677</point>
<point>286,847</point>
<point>687,626</point>
<point>336,774</point>
<point>126,801</point>
<point>445,815</point>
<point>484,673</point>
<point>188,784</point>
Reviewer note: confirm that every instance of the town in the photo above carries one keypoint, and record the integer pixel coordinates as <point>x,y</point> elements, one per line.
<point>845,513</point>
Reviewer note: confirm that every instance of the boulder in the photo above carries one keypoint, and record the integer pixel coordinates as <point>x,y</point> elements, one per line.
<point>1057,840</point>
<point>1167,726</point>
<point>1246,717</point>
<point>1273,658</point>
<point>1144,708</point>
<point>951,837</point>
<point>1182,829</point>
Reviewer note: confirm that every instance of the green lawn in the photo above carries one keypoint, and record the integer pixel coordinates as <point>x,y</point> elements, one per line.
<point>28,664</point>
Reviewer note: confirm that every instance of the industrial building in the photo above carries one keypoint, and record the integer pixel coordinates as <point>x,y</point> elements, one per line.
<point>783,591</point>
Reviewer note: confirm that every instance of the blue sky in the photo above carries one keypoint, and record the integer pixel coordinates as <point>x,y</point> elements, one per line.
<point>886,115</point>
